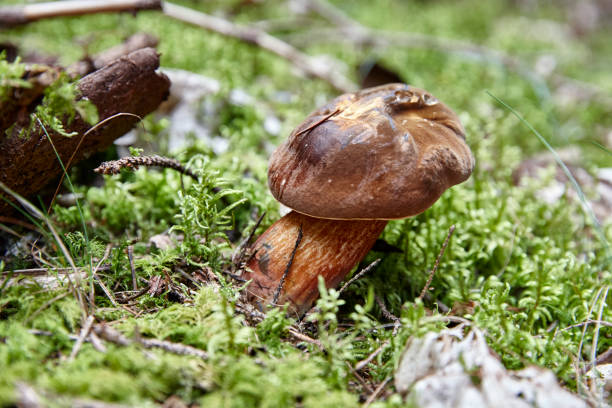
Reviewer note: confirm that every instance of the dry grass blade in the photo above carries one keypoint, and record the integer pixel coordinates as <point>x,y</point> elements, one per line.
<point>107,333</point>
<point>359,274</point>
<point>44,306</point>
<point>377,391</point>
<point>594,358</point>
<point>130,252</point>
<point>437,263</point>
<point>13,16</point>
<point>82,336</point>
<point>279,288</point>
<point>361,364</point>
<point>585,202</point>
<point>239,254</point>
<point>35,212</point>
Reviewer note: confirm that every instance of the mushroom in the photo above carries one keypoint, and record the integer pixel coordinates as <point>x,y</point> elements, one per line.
<point>379,154</point>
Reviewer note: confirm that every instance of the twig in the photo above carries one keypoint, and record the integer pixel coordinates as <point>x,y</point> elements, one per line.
<point>388,315</point>
<point>361,364</point>
<point>84,333</point>
<point>109,334</point>
<point>133,162</point>
<point>282,280</point>
<point>240,251</point>
<point>92,294</point>
<point>307,339</point>
<point>359,274</point>
<point>12,16</point>
<point>28,397</point>
<point>130,252</point>
<point>45,271</point>
<point>585,323</point>
<point>96,342</point>
<point>437,263</point>
<point>107,292</point>
<point>348,29</point>
<point>317,123</point>
<point>135,295</point>
<point>331,13</point>
<point>359,378</point>
<point>262,39</point>
<point>377,391</point>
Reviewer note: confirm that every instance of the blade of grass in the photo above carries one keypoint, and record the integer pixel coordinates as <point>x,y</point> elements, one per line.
<point>602,147</point>
<point>73,190</point>
<point>38,214</point>
<point>96,126</point>
<point>585,203</point>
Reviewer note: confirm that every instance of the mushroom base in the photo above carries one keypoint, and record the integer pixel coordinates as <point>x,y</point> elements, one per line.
<point>330,248</point>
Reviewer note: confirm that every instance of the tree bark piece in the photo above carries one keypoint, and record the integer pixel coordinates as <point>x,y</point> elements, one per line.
<point>127,85</point>
<point>98,61</point>
<point>13,16</point>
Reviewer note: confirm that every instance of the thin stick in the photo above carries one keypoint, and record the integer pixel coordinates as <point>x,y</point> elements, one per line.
<point>360,365</point>
<point>359,275</point>
<point>264,40</point>
<point>84,333</point>
<point>307,339</point>
<point>282,281</point>
<point>95,270</point>
<point>317,123</point>
<point>385,312</point>
<point>586,322</point>
<point>388,315</point>
<point>240,251</point>
<point>12,16</point>
<point>331,13</point>
<point>96,342</point>
<point>359,378</point>
<point>45,271</point>
<point>109,334</point>
<point>130,252</point>
<point>437,263</point>
<point>377,391</point>
<point>107,292</point>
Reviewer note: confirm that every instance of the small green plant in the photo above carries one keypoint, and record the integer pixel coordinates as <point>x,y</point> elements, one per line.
<point>11,76</point>
<point>205,213</point>
<point>61,103</point>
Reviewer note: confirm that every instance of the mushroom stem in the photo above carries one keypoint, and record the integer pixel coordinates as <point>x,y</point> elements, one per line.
<point>330,248</point>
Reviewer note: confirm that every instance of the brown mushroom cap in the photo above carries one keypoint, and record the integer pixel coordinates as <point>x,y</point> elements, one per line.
<point>381,153</point>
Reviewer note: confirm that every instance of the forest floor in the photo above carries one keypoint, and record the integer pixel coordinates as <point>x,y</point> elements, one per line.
<point>154,317</point>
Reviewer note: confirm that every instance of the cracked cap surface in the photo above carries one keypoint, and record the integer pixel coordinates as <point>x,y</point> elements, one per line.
<point>386,152</point>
